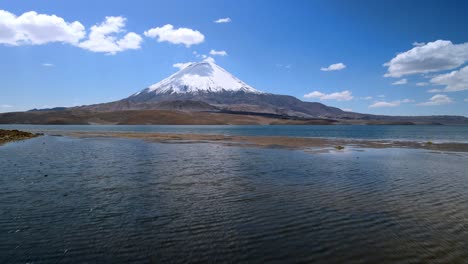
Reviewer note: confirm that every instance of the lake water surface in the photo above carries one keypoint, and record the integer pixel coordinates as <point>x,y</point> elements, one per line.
<point>412,133</point>
<point>106,200</point>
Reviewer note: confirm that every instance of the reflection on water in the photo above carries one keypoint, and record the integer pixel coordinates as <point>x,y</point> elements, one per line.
<point>116,200</point>
<point>412,133</point>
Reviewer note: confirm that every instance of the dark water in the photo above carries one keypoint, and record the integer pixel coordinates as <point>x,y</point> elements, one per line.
<point>412,133</point>
<point>71,200</point>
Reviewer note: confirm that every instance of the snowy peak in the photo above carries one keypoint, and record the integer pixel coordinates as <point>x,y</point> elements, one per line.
<point>201,77</point>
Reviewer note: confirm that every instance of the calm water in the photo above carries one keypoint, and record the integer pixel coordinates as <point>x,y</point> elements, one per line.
<point>73,200</point>
<point>414,133</point>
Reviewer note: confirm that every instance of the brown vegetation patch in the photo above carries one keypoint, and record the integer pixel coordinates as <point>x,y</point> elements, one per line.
<point>14,135</point>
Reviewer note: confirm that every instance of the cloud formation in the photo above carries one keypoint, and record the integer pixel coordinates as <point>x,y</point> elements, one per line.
<point>223,20</point>
<point>32,28</point>
<point>168,33</point>
<point>181,65</point>
<point>102,37</point>
<point>431,57</point>
<point>396,103</point>
<point>209,59</point>
<point>418,44</point>
<point>339,96</point>
<point>438,99</point>
<point>434,91</point>
<point>422,84</point>
<point>453,81</point>
<point>334,67</point>
<point>48,65</point>
<point>385,104</point>
<point>218,52</point>
<point>400,82</point>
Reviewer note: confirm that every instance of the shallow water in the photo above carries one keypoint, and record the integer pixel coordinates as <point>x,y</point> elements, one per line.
<point>411,133</point>
<point>113,200</point>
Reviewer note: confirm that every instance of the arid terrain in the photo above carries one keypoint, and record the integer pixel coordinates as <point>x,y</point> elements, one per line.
<point>153,117</point>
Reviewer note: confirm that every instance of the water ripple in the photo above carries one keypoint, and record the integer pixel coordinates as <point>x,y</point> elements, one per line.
<point>116,200</point>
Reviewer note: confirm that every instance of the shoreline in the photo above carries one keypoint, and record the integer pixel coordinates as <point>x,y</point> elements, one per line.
<point>272,141</point>
<point>7,136</point>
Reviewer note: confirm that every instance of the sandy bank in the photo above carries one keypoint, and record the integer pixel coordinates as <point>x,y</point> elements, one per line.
<point>274,141</point>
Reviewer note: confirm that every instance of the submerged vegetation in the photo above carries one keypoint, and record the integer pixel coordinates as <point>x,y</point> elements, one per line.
<point>15,135</point>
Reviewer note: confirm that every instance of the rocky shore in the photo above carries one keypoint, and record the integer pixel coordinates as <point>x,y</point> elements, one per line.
<point>14,135</point>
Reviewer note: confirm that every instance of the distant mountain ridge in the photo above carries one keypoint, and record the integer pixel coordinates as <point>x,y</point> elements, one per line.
<point>209,83</point>
<point>206,87</point>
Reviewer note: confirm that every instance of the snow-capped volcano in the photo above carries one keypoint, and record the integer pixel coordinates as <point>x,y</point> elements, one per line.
<point>204,86</point>
<point>201,77</point>
<point>204,93</point>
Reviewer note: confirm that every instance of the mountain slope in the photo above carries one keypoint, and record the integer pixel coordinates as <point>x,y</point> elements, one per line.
<point>204,93</point>
<point>209,83</point>
<point>153,117</point>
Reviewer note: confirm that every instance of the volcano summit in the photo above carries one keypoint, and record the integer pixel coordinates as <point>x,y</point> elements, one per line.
<point>205,93</point>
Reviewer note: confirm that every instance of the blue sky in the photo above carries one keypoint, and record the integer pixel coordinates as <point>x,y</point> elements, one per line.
<point>382,57</point>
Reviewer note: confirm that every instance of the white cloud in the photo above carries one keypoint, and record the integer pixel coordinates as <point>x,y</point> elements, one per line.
<point>367,98</point>
<point>438,99</point>
<point>347,109</point>
<point>181,65</point>
<point>168,33</point>
<point>418,44</point>
<point>381,95</point>
<point>334,67</point>
<point>466,100</point>
<point>218,52</point>
<point>432,57</point>
<point>32,28</point>
<point>339,96</point>
<point>198,55</point>
<point>102,37</point>
<point>209,59</point>
<point>422,84</point>
<point>453,81</point>
<point>396,103</point>
<point>385,104</point>
<point>223,20</point>
<point>48,65</point>
<point>434,91</point>
<point>400,82</point>
<point>130,41</point>
<point>6,106</point>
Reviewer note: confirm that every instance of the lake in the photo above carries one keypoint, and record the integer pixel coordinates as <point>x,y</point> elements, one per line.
<point>386,132</point>
<point>109,200</point>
